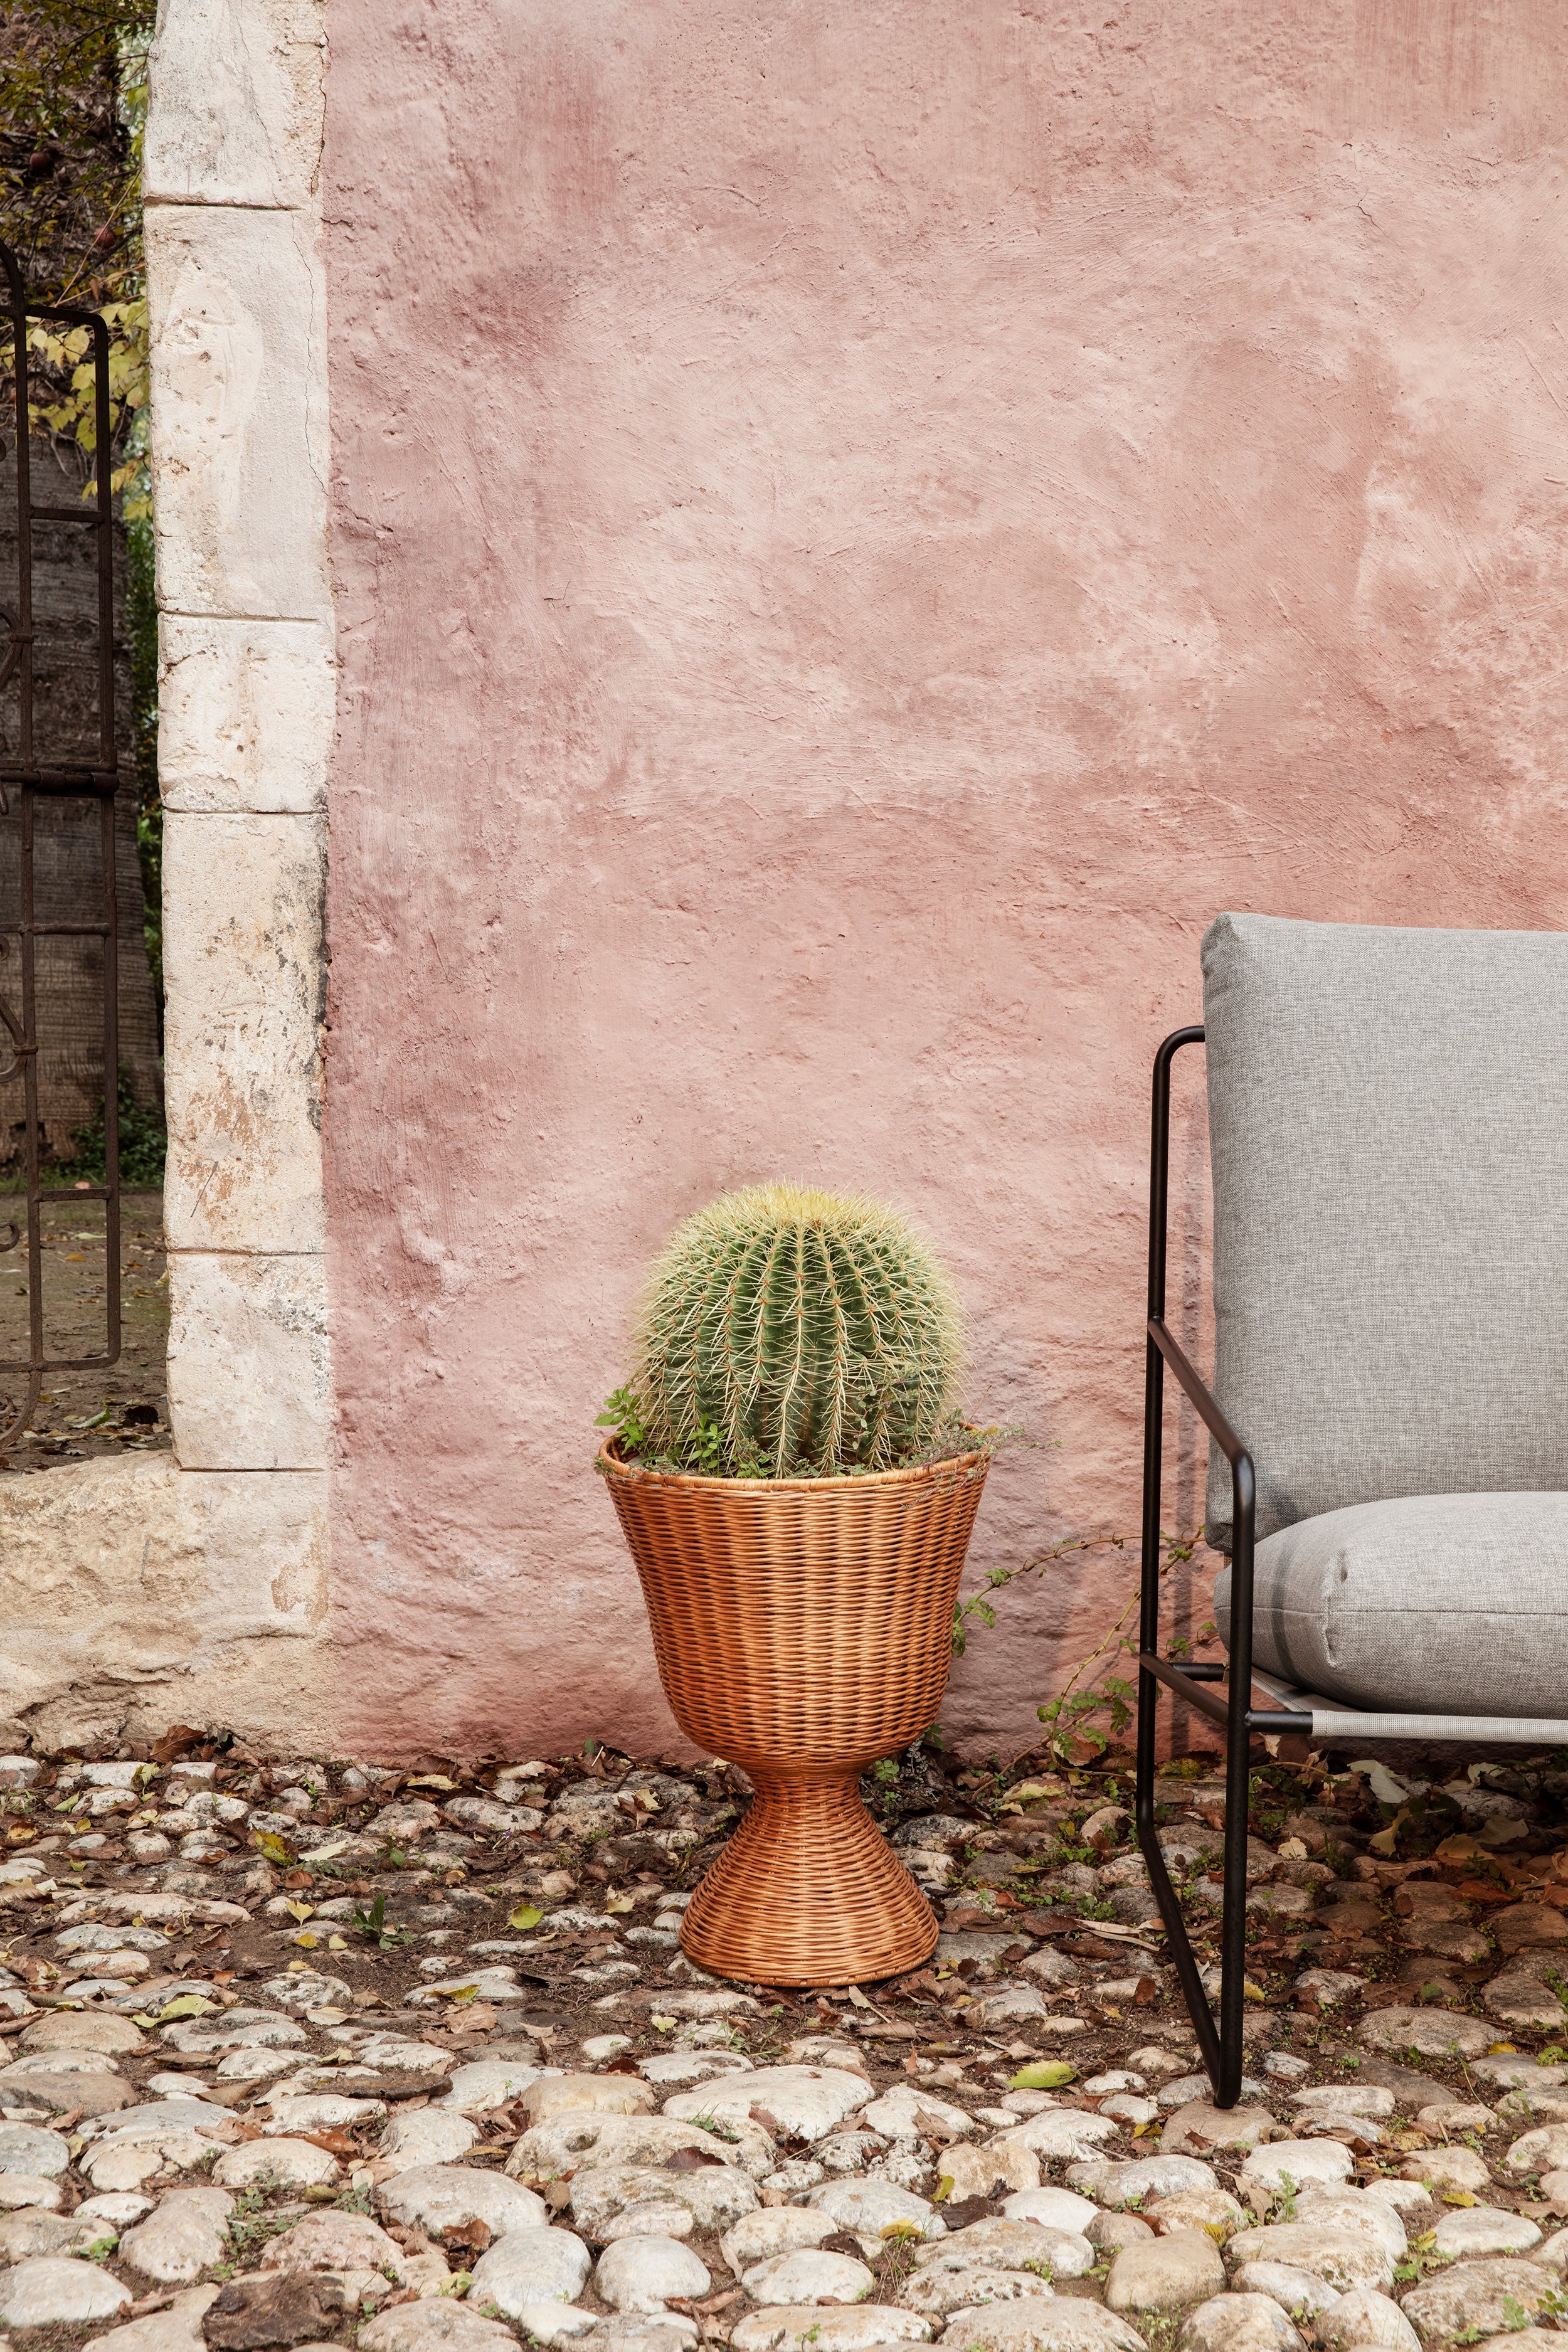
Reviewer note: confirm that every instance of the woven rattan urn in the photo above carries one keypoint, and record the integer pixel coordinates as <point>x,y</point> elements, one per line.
<point>803,1624</point>
<point>803,1629</point>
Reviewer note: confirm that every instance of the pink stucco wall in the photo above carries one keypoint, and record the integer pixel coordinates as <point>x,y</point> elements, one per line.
<point>858,529</point>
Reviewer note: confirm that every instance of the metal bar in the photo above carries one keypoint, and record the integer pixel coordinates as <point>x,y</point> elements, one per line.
<point>108,749</point>
<point>17,302</point>
<point>1180,1680</point>
<point>111,1084</point>
<point>52,930</point>
<point>64,514</point>
<point>1152,1668</point>
<point>1176,1680</point>
<point>30,1117</point>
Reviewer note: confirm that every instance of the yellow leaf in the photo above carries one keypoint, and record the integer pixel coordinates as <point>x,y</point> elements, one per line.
<point>525,1917</point>
<point>337,1944</point>
<point>944,2188</point>
<point>1458,2197</point>
<point>621,1903</point>
<point>300,1911</point>
<point>307,1942</point>
<point>430,1780</point>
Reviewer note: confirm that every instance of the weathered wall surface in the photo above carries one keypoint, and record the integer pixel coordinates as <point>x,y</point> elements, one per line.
<point>855,532</point>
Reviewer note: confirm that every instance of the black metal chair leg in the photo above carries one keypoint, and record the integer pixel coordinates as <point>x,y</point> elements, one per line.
<point>1220,2045</point>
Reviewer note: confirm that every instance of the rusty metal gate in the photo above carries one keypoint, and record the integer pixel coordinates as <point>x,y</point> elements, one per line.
<point>34,770</point>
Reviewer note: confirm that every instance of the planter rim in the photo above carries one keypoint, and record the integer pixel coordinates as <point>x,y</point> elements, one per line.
<point>910,1473</point>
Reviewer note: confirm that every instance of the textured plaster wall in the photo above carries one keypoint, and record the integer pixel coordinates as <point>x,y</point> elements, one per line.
<point>856,532</point>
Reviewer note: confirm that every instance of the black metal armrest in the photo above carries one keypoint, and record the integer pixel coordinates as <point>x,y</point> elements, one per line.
<point>1243,1479</point>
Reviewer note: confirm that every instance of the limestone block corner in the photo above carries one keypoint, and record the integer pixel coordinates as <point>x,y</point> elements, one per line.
<point>249,1374</point>
<point>245,711</point>
<point>140,1594</point>
<point>238,103</point>
<point>244,968</point>
<point>239,412</point>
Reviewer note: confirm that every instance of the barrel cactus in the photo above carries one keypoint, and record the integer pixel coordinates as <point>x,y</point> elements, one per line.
<point>790,1333</point>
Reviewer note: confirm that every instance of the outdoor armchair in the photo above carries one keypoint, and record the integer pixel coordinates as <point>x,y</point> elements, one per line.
<point>1388,1130</point>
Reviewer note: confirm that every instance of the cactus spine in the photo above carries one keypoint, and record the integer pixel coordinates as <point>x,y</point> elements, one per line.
<point>815,1331</point>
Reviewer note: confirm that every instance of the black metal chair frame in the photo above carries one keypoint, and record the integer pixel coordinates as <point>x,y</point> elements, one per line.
<point>1220,2040</point>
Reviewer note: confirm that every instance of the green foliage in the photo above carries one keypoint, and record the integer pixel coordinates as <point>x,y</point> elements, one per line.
<point>790,1333</point>
<point>1070,1718</point>
<point>73,96</point>
<point>143,1141</point>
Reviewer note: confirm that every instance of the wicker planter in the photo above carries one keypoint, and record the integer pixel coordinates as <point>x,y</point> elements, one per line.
<point>803,1628</point>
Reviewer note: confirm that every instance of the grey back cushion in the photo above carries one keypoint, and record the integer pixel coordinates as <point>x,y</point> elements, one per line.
<point>1388,1130</point>
<point>1444,1605</point>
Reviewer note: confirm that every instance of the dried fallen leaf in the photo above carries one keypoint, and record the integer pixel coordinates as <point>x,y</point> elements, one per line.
<point>933,2127</point>
<point>525,1917</point>
<point>472,2236</point>
<point>689,2159</point>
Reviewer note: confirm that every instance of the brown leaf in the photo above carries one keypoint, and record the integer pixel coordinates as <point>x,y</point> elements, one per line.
<point>933,2127</point>
<point>557,2196</point>
<point>176,1741</point>
<point>967,2210</point>
<point>474,2235</point>
<point>689,2159</point>
<point>923,1981</point>
<point>769,2122</point>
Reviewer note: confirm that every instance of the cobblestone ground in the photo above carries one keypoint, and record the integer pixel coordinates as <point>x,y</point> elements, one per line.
<point>308,2056</point>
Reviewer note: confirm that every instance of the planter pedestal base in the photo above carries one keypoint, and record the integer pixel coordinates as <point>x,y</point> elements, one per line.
<point>807,1892</point>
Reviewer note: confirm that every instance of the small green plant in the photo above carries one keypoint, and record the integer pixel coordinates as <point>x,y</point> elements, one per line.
<point>250,2226</point>
<point>1514,2314</point>
<point>718,2127</point>
<point>787,1333</point>
<point>1070,1719</point>
<point>373,1923</point>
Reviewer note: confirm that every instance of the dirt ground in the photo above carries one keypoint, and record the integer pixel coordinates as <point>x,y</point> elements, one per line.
<point>82,1416</point>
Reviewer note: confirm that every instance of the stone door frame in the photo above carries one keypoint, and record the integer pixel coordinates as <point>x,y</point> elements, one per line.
<point>194,1586</point>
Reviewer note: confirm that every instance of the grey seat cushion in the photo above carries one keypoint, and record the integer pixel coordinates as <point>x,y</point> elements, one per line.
<point>1388,1117</point>
<point>1438,1604</point>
